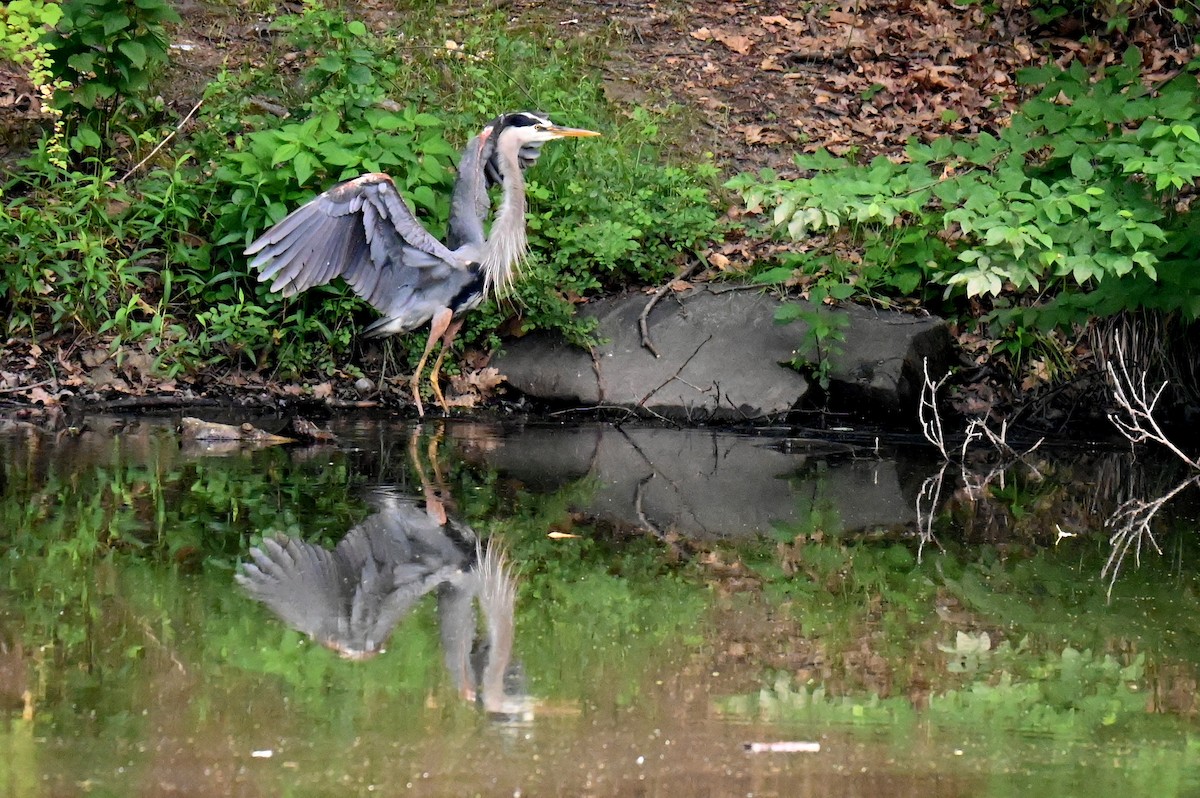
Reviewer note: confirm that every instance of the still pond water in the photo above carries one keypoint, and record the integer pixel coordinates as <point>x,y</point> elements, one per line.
<point>457,609</point>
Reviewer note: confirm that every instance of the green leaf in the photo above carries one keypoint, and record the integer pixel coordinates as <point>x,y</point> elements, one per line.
<point>286,152</point>
<point>114,21</point>
<point>84,63</point>
<point>134,51</point>
<point>1081,167</point>
<point>778,274</point>
<point>305,165</point>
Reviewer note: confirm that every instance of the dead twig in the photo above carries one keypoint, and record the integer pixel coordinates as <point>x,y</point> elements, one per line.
<point>163,143</point>
<point>675,376</point>
<point>1138,403</point>
<point>1131,527</point>
<point>30,386</point>
<point>928,499</point>
<point>927,411</point>
<point>643,319</point>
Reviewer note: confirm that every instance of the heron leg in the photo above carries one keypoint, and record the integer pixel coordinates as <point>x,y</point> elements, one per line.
<point>436,374</point>
<point>437,327</point>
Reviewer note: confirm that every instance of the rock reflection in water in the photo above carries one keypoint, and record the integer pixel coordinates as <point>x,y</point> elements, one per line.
<point>350,599</point>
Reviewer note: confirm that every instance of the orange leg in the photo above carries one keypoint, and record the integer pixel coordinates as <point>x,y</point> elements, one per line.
<point>435,375</point>
<point>437,328</point>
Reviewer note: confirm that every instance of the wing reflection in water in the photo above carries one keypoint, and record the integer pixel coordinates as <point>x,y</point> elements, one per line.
<point>351,598</point>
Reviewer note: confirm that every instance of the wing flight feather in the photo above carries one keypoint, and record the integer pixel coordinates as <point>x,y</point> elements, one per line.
<point>359,230</point>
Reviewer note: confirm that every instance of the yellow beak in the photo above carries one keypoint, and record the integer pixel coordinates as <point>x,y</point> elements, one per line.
<point>572,132</point>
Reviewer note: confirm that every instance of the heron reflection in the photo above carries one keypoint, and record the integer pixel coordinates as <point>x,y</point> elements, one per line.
<point>350,599</point>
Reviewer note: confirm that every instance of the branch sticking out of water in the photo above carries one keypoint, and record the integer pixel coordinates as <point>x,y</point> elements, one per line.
<point>927,411</point>
<point>1137,401</point>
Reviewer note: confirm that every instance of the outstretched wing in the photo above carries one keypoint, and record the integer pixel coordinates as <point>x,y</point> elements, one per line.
<point>359,230</point>
<point>301,583</point>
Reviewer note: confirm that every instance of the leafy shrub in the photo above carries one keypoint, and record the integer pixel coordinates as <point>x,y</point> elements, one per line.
<point>104,53</point>
<point>1067,213</point>
<point>586,233</point>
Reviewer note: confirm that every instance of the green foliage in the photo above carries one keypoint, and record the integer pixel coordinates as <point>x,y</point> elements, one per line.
<point>159,258</point>
<point>22,25</point>
<point>819,344</point>
<point>595,213</point>
<point>77,252</point>
<point>1069,212</point>
<point>1064,694</point>
<point>106,51</point>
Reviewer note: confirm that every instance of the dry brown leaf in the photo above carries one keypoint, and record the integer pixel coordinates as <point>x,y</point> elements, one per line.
<point>37,394</point>
<point>323,391</point>
<point>94,357</point>
<point>737,42</point>
<point>702,34</point>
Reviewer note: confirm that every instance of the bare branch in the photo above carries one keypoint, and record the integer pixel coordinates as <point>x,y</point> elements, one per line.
<point>163,143</point>
<point>1138,403</point>
<point>927,411</point>
<point>644,317</point>
<point>928,499</point>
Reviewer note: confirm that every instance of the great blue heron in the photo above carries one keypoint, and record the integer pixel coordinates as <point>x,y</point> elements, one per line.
<point>362,231</point>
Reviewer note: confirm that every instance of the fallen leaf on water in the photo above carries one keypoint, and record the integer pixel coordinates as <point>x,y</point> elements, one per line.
<point>307,429</point>
<point>560,535</point>
<point>195,429</point>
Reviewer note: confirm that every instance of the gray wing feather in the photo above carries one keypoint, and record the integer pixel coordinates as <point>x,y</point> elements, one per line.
<point>299,582</point>
<point>360,230</point>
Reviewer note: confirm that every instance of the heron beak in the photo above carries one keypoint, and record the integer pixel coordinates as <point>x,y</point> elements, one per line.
<point>571,132</point>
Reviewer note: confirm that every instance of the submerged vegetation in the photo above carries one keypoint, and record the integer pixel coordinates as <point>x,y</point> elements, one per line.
<point>127,549</point>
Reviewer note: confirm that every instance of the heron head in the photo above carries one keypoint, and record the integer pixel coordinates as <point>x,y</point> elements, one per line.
<point>530,127</point>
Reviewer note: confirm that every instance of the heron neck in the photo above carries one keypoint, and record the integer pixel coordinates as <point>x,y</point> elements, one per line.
<point>506,245</point>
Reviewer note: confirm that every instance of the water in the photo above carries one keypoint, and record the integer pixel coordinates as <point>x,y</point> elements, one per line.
<point>588,610</point>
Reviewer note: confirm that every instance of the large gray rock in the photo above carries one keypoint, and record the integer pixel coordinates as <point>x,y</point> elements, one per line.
<point>877,368</point>
<point>722,357</point>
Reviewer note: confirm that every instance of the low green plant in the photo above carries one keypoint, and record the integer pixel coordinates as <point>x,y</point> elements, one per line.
<point>1063,694</point>
<point>1068,213</point>
<point>819,346</point>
